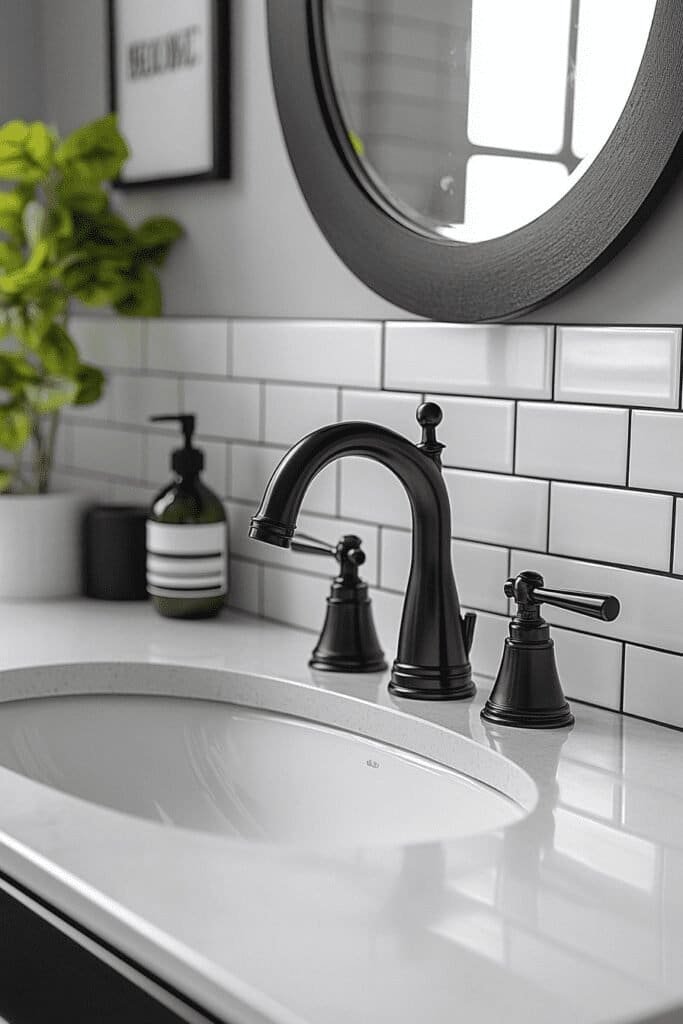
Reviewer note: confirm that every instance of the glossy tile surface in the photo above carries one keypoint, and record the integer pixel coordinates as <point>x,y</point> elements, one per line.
<point>498,509</point>
<point>478,433</point>
<point>611,525</point>
<point>618,365</point>
<point>657,450</point>
<point>508,361</point>
<point>190,346</point>
<point>572,442</point>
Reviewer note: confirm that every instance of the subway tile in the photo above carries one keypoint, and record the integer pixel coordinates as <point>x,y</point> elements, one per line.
<point>651,605</point>
<point>657,450</point>
<point>225,408</point>
<point>244,584</point>
<point>109,342</point>
<point>387,611</point>
<point>502,360</point>
<point>618,365</point>
<point>371,492</point>
<point>653,685</point>
<point>292,411</point>
<point>108,451</point>
<point>160,448</point>
<point>490,632</point>
<point>498,509</point>
<point>589,667</point>
<point>678,539</point>
<point>100,410</point>
<point>478,433</point>
<point>610,525</point>
<point>135,399</point>
<point>252,468</point>
<point>572,442</point>
<point>294,597</point>
<point>93,488</point>
<point>189,346</point>
<point>132,494</point>
<point>309,351</point>
<point>480,570</point>
<point>397,412</point>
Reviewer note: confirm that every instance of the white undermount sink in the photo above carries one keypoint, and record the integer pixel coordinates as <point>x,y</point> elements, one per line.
<point>253,774</point>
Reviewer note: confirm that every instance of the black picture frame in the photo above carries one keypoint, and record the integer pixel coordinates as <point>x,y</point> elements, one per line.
<point>220,98</point>
<point>498,279</point>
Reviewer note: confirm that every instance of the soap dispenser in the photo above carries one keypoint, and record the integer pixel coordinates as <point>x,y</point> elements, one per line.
<point>187,538</point>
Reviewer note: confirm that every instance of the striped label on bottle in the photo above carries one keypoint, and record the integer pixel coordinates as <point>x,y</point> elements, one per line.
<point>187,561</point>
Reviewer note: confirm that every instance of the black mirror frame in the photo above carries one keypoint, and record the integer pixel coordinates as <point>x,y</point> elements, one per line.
<point>491,280</point>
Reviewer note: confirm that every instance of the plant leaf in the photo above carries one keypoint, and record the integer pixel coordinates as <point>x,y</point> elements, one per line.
<point>155,237</point>
<point>15,428</point>
<point>51,395</point>
<point>58,353</point>
<point>26,151</point>
<point>91,383</point>
<point>94,152</point>
<point>6,478</point>
<point>144,295</point>
<point>28,274</point>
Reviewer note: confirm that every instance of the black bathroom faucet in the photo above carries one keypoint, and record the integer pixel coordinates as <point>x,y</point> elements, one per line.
<point>432,661</point>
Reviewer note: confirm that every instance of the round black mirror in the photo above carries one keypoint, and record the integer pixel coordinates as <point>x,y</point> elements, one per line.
<point>469,160</point>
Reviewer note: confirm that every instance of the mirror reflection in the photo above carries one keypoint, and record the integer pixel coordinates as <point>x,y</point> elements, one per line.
<point>474,117</point>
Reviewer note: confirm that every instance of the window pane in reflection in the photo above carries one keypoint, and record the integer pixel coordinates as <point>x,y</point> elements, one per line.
<point>518,74</point>
<point>619,30</point>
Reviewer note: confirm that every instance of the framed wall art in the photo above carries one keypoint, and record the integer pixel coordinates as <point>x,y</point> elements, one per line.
<point>170,86</point>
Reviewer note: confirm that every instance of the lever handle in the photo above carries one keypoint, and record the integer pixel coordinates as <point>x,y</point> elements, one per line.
<point>311,545</point>
<point>529,591</point>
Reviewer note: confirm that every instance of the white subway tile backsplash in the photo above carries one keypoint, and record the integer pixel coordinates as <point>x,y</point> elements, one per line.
<point>292,411</point>
<point>653,685</point>
<point>371,492</point>
<point>158,468</point>
<point>611,525</point>
<point>498,509</point>
<point>252,468</point>
<point>224,408</point>
<point>657,450</point>
<point>500,456</point>
<point>678,538</point>
<point>572,442</point>
<point>309,351</point>
<point>244,586</point>
<point>651,604</point>
<point>480,570</point>
<point>397,412</point>
<point>135,398</point>
<point>294,597</point>
<point>503,360</point>
<point>619,365</point>
<point>116,344</point>
<point>490,632</point>
<point>478,433</point>
<point>189,346</point>
<point>589,667</point>
<point>108,450</point>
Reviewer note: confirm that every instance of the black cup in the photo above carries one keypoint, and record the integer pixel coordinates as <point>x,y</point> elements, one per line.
<point>114,552</point>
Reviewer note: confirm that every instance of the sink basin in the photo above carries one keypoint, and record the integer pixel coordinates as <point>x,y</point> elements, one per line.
<point>243,772</point>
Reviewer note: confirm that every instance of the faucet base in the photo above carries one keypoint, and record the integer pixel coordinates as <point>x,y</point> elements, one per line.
<point>417,683</point>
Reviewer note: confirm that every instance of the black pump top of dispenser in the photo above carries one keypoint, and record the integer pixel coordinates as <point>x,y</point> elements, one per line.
<point>186,461</point>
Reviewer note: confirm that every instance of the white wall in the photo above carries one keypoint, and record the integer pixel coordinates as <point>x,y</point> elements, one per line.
<point>21,69</point>
<point>253,248</point>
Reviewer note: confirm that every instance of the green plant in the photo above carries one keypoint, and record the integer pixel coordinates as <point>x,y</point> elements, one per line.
<point>60,240</point>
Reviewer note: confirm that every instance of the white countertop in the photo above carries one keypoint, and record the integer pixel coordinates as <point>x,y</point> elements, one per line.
<point>573,914</point>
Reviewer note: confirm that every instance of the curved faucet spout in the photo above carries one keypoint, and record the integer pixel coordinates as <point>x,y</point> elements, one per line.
<point>432,660</point>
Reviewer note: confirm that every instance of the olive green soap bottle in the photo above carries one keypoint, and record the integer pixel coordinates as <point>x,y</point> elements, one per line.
<point>187,539</point>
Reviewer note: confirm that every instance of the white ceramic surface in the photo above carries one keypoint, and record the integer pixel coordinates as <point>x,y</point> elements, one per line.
<point>240,772</point>
<point>572,442</point>
<point>40,545</point>
<point>657,450</point>
<point>571,915</point>
<point>503,360</point>
<point>618,365</point>
<point>498,509</point>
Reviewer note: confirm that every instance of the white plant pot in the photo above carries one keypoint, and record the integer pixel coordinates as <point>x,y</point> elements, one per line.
<point>40,545</point>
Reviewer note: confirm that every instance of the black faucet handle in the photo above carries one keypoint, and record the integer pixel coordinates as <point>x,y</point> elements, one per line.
<point>347,552</point>
<point>429,415</point>
<point>529,591</point>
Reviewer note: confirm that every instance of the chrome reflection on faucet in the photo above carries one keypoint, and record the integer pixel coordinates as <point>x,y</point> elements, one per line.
<point>432,661</point>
